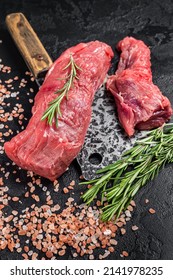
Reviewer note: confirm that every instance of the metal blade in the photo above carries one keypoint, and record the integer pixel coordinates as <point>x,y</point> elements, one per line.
<point>105,140</point>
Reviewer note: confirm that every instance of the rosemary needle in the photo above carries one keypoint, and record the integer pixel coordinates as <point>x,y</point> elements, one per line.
<point>119,182</point>
<point>53,111</point>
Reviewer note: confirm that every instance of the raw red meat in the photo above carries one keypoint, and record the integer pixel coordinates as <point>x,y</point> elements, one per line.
<point>140,103</point>
<point>47,150</point>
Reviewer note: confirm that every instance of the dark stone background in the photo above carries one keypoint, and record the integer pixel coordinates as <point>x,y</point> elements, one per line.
<point>61,24</point>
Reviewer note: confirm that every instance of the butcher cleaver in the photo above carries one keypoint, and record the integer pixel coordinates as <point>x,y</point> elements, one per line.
<point>105,140</point>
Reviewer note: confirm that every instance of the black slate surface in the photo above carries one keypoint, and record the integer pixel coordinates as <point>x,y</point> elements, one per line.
<point>61,24</point>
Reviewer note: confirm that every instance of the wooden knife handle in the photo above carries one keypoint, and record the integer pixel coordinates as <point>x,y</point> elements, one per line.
<point>28,43</point>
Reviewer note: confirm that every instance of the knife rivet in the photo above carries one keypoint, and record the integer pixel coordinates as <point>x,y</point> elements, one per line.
<point>39,57</point>
<point>19,24</point>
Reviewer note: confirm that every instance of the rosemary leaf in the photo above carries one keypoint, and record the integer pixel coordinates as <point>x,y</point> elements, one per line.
<point>54,111</point>
<point>119,182</point>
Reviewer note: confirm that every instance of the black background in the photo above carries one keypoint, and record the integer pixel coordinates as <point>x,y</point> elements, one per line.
<point>61,24</point>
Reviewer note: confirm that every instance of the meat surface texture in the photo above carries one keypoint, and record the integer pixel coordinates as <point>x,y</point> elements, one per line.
<point>140,103</point>
<point>49,150</point>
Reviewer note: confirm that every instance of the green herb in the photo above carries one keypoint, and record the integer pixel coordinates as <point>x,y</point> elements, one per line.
<point>53,111</point>
<point>119,182</point>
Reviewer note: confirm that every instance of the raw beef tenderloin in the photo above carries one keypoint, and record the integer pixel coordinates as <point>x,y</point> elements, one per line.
<point>140,103</point>
<point>48,150</point>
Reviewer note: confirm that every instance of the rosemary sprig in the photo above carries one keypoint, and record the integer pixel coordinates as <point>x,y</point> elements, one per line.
<point>53,111</point>
<point>119,182</point>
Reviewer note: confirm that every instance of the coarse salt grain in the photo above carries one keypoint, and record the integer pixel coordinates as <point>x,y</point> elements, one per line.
<point>107,232</point>
<point>134,228</point>
<point>15,198</point>
<point>30,253</point>
<point>65,190</point>
<point>125,253</point>
<point>123,231</point>
<point>152,211</point>
<point>127,213</point>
